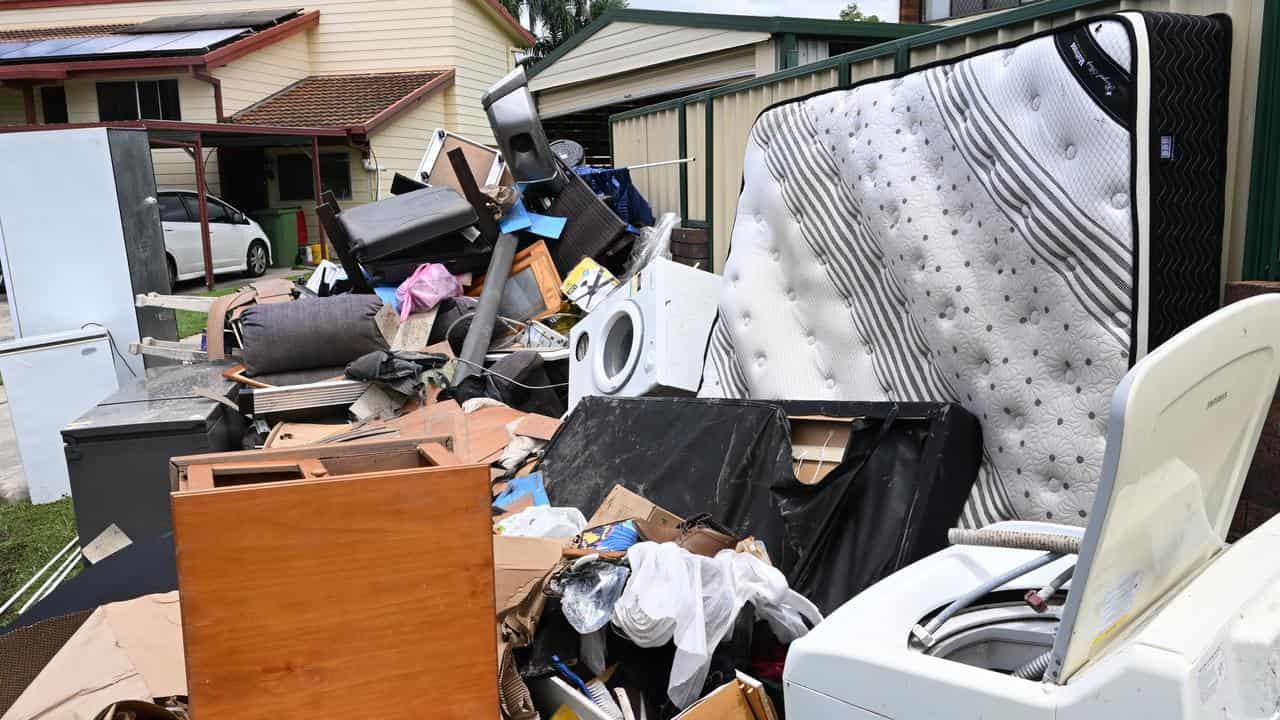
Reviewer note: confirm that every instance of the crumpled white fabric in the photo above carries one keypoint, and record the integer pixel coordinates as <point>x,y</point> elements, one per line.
<point>674,594</point>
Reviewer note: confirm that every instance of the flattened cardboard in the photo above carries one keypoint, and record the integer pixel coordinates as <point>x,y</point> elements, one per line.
<point>519,562</point>
<point>622,504</point>
<point>124,651</point>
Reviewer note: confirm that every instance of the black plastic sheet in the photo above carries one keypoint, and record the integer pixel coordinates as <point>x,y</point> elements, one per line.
<point>906,474</point>
<point>686,455</point>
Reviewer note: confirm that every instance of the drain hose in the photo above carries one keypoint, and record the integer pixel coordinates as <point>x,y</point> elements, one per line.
<point>1035,669</point>
<point>925,634</point>
<point>1016,539</point>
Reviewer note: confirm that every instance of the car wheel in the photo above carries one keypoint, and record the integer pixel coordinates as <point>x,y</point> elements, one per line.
<point>256,260</point>
<point>173,273</point>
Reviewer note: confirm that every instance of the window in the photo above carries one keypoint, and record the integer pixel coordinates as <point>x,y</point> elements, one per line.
<point>53,101</point>
<point>172,209</point>
<point>294,173</point>
<point>218,212</point>
<point>141,100</point>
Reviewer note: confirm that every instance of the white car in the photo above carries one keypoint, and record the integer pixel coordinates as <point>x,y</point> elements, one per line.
<point>238,243</point>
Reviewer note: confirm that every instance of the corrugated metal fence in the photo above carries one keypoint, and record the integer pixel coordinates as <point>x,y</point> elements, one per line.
<point>712,126</point>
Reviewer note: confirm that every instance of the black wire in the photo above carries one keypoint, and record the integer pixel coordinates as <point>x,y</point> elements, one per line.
<point>112,340</point>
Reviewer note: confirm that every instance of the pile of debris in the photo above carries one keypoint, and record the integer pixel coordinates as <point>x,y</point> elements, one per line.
<point>369,488</point>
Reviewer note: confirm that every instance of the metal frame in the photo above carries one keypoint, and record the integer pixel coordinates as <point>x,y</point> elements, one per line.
<point>1262,233</point>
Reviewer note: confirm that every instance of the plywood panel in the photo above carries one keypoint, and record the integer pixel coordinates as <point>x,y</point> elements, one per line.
<point>363,596</point>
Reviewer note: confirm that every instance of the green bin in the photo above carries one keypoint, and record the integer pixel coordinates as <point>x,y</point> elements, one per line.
<point>281,226</point>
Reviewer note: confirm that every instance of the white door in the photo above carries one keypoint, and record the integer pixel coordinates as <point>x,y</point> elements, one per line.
<point>181,235</point>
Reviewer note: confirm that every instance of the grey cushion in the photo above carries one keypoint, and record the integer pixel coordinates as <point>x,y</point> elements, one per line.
<point>310,333</point>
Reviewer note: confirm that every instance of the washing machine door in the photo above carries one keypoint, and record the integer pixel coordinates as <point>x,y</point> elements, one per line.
<point>616,357</point>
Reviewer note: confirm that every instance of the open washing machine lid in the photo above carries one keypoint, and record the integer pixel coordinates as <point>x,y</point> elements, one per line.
<point>1183,428</point>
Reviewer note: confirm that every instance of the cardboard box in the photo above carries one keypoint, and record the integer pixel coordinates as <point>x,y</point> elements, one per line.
<point>622,504</point>
<point>519,562</point>
<point>741,699</point>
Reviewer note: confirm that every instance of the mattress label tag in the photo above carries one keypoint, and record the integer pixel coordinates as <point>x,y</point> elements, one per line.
<point>1098,73</point>
<point>1166,147</point>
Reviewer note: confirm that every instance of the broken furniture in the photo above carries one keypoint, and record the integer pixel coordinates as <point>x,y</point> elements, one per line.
<point>648,338</point>
<point>215,470</point>
<point>1161,618</point>
<point>1015,250</point>
<point>83,201</point>
<point>486,164</point>
<point>513,117</point>
<point>118,452</point>
<point>532,290</point>
<point>51,380</point>
<point>391,237</point>
<point>340,597</point>
<point>310,333</point>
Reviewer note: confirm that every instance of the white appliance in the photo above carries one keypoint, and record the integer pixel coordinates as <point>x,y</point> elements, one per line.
<point>51,380</point>
<point>648,337</point>
<point>1161,619</point>
<point>80,235</point>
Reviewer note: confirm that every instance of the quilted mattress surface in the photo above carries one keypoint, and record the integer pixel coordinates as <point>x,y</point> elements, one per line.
<point>1010,231</point>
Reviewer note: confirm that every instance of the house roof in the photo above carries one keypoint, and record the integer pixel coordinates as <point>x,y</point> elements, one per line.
<point>53,33</point>
<point>874,31</point>
<point>357,102</point>
<point>53,58</point>
<point>511,24</point>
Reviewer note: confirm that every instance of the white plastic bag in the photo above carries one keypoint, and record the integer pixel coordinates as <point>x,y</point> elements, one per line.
<point>543,521</point>
<point>675,595</point>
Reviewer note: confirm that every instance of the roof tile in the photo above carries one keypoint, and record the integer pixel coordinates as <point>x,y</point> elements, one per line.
<point>51,33</point>
<point>335,100</point>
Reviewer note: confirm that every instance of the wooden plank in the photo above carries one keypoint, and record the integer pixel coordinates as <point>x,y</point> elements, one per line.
<point>364,595</point>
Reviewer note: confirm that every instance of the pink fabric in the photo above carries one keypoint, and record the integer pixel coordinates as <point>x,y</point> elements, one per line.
<point>425,288</point>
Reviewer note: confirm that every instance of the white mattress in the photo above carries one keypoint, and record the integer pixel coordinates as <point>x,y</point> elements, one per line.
<point>979,232</point>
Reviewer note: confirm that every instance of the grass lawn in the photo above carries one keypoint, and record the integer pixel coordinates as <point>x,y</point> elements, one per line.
<point>29,536</point>
<point>193,323</point>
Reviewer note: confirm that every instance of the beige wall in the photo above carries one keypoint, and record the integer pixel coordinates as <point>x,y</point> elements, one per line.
<point>483,55</point>
<point>352,36</point>
<point>255,76</point>
<point>400,144</point>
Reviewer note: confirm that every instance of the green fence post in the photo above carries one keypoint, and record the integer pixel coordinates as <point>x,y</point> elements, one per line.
<point>683,153</point>
<point>1262,229</point>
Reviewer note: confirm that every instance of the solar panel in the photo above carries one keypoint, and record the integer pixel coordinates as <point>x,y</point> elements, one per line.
<point>118,45</point>
<point>214,21</point>
<point>41,48</point>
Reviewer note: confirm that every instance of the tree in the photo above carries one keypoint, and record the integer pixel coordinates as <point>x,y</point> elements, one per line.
<point>854,13</point>
<point>553,21</point>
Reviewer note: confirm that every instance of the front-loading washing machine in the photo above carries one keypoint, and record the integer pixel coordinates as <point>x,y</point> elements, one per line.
<point>648,337</point>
